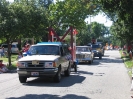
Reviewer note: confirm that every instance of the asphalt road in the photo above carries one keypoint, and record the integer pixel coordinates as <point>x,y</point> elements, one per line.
<point>104,79</point>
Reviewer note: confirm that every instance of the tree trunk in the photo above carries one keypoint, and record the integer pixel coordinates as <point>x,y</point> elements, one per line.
<point>19,44</point>
<point>128,44</point>
<point>9,52</point>
<point>45,37</point>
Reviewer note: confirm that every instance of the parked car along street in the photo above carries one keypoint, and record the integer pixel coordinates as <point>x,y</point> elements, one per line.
<point>14,47</point>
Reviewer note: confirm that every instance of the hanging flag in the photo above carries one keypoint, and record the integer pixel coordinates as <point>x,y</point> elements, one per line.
<point>75,31</point>
<point>51,33</point>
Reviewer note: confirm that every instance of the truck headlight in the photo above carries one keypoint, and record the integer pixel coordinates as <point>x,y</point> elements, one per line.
<point>89,55</point>
<point>21,64</point>
<point>50,64</point>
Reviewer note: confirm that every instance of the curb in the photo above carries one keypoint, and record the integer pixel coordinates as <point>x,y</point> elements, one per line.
<point>12,71</point>
<point>132,81</point>
<point>131,77</point>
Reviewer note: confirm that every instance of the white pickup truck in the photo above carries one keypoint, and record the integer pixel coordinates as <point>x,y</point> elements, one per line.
<point>45,59</point>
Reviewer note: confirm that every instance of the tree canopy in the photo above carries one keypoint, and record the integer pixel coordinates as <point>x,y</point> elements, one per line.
<point>120,11</point>
<point>31,18</point>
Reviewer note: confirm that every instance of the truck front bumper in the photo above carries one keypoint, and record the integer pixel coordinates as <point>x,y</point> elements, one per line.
<point>84,59</point>
<point>37,73</point>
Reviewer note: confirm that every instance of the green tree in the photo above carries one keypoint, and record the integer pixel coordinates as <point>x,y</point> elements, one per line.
<point>21,19</point>
<point>69,13</point>
<point>120,11</point>
<point>90,31</point>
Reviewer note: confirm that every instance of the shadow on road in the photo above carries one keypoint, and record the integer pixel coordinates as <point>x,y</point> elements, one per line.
<point>106,55</point>
<point>12,71</point>
<point>84,63</point>
<point>84,72</point>
<point>46,81</point>
<point>112,60</point>
<point>99,74</point>
<point>49,96</point>
<point>95,62</point>
<point>105,59</point>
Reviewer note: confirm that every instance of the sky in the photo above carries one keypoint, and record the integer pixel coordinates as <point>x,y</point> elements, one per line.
<point>99,18</point>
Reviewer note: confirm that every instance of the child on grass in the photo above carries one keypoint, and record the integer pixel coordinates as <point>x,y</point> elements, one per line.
<point>3,67</point>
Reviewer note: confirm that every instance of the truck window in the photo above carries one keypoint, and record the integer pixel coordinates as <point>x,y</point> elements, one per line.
<point>44,50</point>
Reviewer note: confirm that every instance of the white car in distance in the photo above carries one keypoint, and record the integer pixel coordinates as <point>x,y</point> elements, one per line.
<point>84,54</point>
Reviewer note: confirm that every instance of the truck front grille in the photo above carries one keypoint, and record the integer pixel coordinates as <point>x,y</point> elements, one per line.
<point>80,56</point>
<point>41,64</point>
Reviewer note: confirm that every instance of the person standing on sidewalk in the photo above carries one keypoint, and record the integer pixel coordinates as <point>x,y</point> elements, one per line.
<point>3,52</point>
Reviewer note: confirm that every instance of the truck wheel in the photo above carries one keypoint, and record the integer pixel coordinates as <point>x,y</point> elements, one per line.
<point>100,57</point>
<point>75,67</point>
<point>90,62</point>
<point>67,72</point>
<point>22,79</point>
<point>57,77</point>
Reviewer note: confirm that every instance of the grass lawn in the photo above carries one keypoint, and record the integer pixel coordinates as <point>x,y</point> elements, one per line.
<point>13,61</point>
<point>13,58</point>
<point>128,62</point>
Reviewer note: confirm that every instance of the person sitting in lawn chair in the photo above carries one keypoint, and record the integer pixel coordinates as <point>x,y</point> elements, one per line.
<point>3,68</point>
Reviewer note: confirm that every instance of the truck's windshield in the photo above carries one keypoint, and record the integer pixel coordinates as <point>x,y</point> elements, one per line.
<point>95,46</point>
<point>44,50</point>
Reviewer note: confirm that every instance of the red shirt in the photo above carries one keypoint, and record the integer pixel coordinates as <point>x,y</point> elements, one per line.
<point>1,65</point>
<point>129,47</point>
<point>25,49</point>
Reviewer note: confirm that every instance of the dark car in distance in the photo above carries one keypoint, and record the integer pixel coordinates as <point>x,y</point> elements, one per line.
<point>98,50</point>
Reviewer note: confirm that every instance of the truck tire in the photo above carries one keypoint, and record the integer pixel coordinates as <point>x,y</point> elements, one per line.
<point>57,77</point>
<point>67,72</point>
<point>90,62</point>
<point>75,66</point>
<point>22,79</point>
<point>100,57</point>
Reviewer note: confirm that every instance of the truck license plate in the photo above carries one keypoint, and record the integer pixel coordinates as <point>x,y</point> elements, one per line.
<point>35,62</point>
<point>34,73</point>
